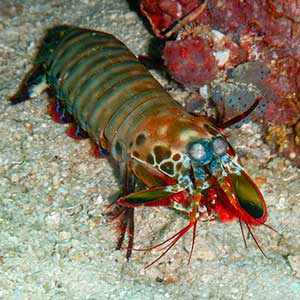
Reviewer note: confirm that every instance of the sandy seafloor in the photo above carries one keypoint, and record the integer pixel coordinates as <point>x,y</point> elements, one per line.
<point>55,240</point>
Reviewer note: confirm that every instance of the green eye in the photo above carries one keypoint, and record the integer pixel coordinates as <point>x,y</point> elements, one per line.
<point>219,146</point>
<point>197,151</point>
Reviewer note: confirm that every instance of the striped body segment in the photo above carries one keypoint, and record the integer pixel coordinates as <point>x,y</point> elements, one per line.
<point>101,83</point>
<point>183,159</point>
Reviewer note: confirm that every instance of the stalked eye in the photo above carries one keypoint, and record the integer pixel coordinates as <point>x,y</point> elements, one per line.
<point>219,146</point>
<point>197,151</point>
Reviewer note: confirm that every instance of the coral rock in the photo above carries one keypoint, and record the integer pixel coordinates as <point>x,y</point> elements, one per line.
<point>190,61</point>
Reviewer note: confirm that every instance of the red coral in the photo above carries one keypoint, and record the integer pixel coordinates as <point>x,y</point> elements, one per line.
<point>157,20</point>
<point>163,13</point>
<point>229,15</point>
<point>237,55</point>
<point>172,8</point>
<point>285,8</point>
<point>282,111</point>
<point>190,61</point>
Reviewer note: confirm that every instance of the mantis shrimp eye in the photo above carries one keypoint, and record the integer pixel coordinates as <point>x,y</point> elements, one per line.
<point>219,146</point>
<point>197,151</point>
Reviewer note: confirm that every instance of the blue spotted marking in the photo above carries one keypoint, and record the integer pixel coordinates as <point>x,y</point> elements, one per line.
<point>200,174</point>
